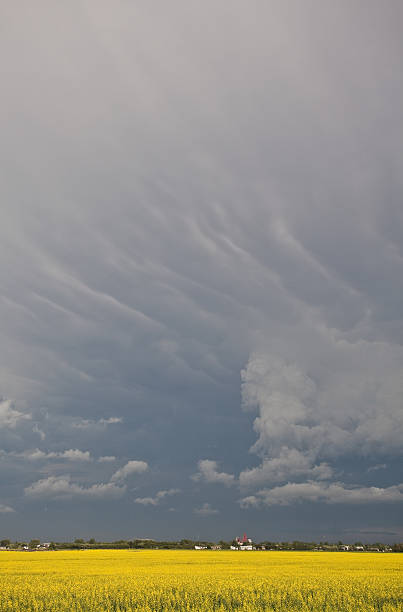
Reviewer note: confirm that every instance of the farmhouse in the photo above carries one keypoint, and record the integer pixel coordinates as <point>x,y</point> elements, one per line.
<point>243,544</point>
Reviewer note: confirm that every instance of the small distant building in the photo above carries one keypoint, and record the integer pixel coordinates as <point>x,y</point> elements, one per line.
<point>200,547</point>
<point>243,544</point>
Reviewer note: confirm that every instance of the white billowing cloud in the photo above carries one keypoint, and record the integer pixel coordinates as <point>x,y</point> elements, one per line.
<point>110,421</point>
<point>107,459</point>
<point>334,493</point>
<point>35,455</point>
<point>89,423</point>
<point>154,501</point>
<point>71,454</point>
<point>131,467</point>
<point>74,454</point>
<point>6,509</point>
<point>62,487</point>
<point>290,462</point>
<point>301,424</point>
<point>9,415</point>
<point>205,510</point>
<point>146,501</point>
<point>208,472</point>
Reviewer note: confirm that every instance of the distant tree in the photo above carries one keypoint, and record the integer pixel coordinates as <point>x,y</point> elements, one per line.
<point>296,545</point>
<point>34,543</point>
<point>5,543</point>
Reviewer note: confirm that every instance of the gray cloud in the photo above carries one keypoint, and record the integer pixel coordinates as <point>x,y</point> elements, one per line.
<point>6,509</point>
<point>205,510</point>
<point>39,431</point>
<point>378,466</point>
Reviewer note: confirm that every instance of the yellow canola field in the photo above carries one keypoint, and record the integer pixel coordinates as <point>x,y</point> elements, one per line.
<point>199,580</point>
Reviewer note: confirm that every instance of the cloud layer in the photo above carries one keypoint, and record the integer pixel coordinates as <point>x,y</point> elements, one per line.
<point>188,193</point>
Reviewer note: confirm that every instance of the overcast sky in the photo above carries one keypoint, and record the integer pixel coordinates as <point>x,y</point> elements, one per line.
<point>201,269</point>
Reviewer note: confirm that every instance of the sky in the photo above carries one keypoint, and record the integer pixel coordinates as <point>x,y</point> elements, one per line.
<point>201,270</point>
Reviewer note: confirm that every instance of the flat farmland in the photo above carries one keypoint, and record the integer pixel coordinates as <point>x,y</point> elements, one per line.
<point>128,580</point>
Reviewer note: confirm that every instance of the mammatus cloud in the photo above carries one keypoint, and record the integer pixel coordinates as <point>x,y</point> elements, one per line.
<point>62,487</point>
<point>205,510</point>
<point>154,501</point>
<point>131,467</point>
<point>6,509</point>
<point>208,472</point>
<point>311,491</point>
<point>9,415</point>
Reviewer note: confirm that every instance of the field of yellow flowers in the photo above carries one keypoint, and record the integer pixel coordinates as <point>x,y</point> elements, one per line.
<point>164,581</point>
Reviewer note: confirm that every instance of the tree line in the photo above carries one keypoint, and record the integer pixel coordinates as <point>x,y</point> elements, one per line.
<point>186,544</point>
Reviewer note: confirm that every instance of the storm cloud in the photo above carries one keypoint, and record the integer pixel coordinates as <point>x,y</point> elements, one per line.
<point>201,268</point>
